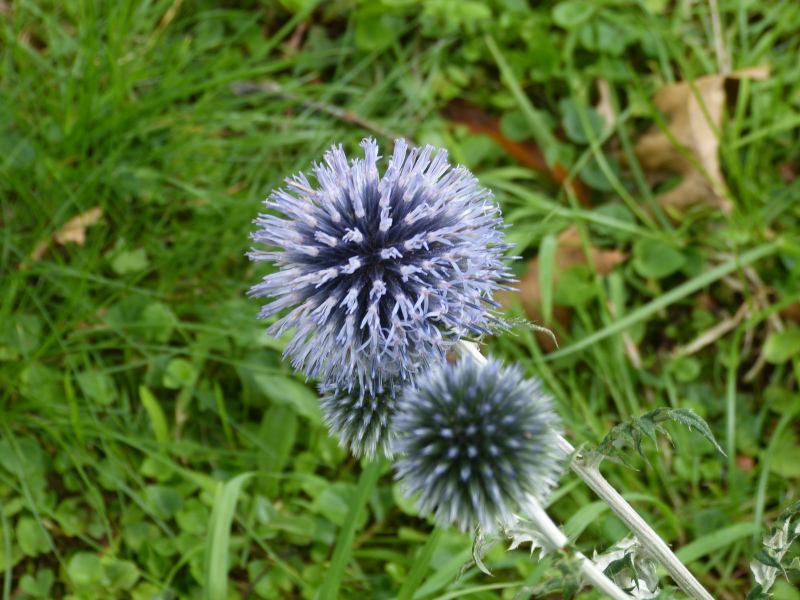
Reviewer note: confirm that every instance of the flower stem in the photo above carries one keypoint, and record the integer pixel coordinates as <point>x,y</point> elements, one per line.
<point>544,524</point>
<point>650,540</point>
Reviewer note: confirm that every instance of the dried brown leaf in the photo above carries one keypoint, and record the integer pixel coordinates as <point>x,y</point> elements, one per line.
<point>569,252</point>
<point>695,117</point>
<point>73,230</point>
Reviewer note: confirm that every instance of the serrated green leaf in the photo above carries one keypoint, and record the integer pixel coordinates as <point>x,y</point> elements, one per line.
<point>646,426</point>
<point>627,434</point>
<point>631,431</point>
<point>691,419</point>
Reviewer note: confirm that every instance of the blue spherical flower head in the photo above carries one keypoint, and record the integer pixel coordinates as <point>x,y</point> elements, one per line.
<point>361,421</point>
<point>382,274</point>
<point>478,442</point>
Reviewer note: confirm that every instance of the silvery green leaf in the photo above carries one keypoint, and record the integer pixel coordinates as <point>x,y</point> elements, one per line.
<point>525,532</point>
<point>764,575</point>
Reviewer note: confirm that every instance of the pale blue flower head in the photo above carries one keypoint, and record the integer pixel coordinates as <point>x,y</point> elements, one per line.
<point>478,443</point>
<point>382,274</point>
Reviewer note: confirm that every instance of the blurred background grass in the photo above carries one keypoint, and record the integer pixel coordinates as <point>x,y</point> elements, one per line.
<point>137,390</point>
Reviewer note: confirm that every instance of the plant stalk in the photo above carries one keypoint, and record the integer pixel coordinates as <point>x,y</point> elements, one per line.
<point>544,524</point>
<point>650,540</point>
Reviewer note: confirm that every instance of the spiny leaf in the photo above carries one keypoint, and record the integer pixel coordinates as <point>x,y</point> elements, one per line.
<point>757,594</point>
<point>618,566</point>
<point>769,561</point>
<point>631,432</point>
<point>765,557</point>
<point>647,427</point>
<point>526,532</point>
<point>568,584</point>
<point>508,325</point>
<point>692,420</point>
<point>479,549</point>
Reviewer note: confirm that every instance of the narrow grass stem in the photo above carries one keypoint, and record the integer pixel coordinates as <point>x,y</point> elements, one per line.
<point>544,524</point>
<point>650,540</point>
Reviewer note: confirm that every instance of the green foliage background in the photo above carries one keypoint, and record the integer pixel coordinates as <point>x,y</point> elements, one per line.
<point>152,442</point>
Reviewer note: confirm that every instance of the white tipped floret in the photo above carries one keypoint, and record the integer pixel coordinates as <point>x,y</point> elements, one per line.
<point>353,235</point>
<point>353,264</point>
<point>326,239</point>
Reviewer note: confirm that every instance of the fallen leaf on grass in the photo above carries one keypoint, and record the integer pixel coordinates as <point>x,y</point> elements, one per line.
<point>568,253</point>
<point>695,116</point>
<point>525,153</point>
<point>73,230</point>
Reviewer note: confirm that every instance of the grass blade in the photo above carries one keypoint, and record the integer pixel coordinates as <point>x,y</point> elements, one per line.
<point>7,548</point>
<point>344,544</point>
<point>544,138</point>
<point>716,540</point>
<point>216,560</point>
<point>761,492</point>
<point>547,257</point>
<point>420,567</point>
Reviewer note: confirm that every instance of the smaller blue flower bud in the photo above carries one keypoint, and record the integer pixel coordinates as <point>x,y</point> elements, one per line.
<point>478,441</point>
<point>361,421</point>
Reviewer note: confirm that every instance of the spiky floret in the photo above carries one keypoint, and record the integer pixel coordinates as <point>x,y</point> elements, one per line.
<point>383,274</point>
<point>360,421</point>
<point>476,440</point>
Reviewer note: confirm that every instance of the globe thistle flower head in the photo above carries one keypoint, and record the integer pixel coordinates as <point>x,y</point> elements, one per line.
<point>360,421</point>
<point>477,441</point>
<point>382,274</point>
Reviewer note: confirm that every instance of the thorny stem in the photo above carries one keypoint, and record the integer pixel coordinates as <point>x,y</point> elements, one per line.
<point>544,524</point>
<point>650,540</point>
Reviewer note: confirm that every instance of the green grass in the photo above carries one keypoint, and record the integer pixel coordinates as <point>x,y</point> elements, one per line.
<point>138,391</point>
